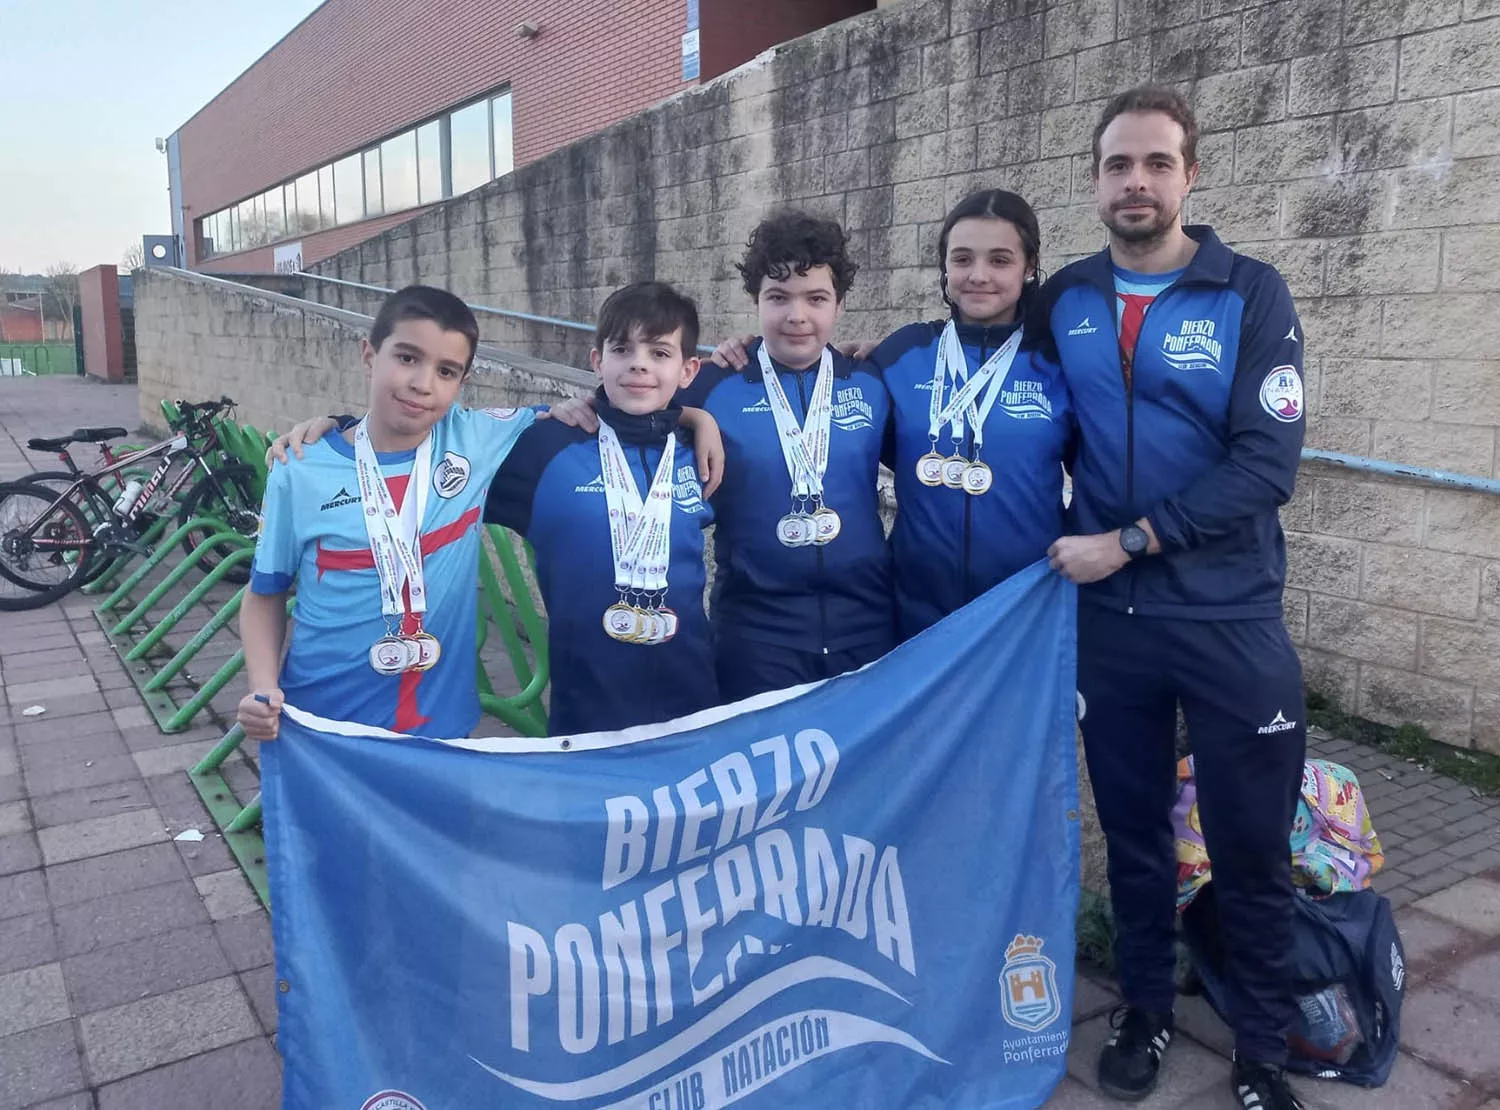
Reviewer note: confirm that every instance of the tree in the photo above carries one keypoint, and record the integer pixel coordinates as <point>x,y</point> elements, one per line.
<point>62,291</point>
<point>133,258</point>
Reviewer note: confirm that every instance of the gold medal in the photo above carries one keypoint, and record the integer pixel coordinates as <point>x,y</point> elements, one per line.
<point>978,478</point>
<point>930,469</point>
<point>620,621</point>
<point>953,471</point>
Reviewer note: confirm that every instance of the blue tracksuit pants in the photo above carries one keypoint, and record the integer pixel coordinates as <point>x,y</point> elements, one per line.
<point>1240,686</point>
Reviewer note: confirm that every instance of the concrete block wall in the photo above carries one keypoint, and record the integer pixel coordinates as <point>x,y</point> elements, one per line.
<point>1355,144</point>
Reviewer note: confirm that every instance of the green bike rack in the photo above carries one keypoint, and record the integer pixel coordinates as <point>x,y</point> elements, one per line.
<point>239,823</point>
<point>522,711</point>
<point>142,641</point>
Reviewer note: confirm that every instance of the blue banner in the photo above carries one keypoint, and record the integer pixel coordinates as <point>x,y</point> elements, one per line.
<point>858,893</point>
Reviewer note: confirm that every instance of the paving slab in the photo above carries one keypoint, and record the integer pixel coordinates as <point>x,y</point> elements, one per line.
<point>246,940</point>
<point>261,986</point>
<point>22,893</point>
<point>1473,904</point>
<point>170,758</point>
<point>227,894</point>
<point>102,800</point>
<point>1480,977</point>
<point>1451,1030</point>
<point>244,1076</point>
<point>32,998</point>
<point>19,852</point>
<point>38,1065</point>
<point>99,876</point>
<point>99,836</point>
<point>1430,941</point>
<point>15,817</point>
<point>156,964</point>
<point>80,773</point>
<point>102,922</point>
<point>165,1028</point>
<point>28,941</point>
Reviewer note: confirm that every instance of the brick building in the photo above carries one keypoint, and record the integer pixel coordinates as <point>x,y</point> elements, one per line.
<point>369,111</point>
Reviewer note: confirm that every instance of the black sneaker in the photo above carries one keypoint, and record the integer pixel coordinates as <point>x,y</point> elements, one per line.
<point>1262,1087</point>
<point>1129,1064</point>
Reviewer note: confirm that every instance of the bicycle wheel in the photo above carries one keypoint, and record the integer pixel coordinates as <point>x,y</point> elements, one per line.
<point>92,501</point>
<point>239,510</point>
<point>46,546</point>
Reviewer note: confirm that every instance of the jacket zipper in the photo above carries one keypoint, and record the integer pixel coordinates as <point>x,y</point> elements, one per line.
<point>648,471</point>
<point>966,588</point>
<point>822,600</point>
<point>1127,372</point>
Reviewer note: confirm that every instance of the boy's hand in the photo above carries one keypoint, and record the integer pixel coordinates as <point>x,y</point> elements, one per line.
<point>733,353</point>
<point>308,431</point>
<point>577,412</point>
<point>857,349</point>
<point>708,445</point>
<point>259,713</point>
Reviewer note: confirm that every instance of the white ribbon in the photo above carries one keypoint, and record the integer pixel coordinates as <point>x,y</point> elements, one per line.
<point>395,537</point>
<point>804,447</point>
<point>640,533</point>
<point>952,365</point>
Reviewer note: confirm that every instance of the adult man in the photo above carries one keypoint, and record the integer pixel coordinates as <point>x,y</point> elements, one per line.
<point>1184,361</point>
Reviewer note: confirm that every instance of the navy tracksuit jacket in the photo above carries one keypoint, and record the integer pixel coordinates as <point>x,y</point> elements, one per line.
<point>950,547</point>
<point>784,615</point>
<point>1203,440</point>
<point>551,491</point>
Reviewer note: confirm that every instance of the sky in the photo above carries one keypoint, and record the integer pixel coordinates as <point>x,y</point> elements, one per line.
<point>86,88</point>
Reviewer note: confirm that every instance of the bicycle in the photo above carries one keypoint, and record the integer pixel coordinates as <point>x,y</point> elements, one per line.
<point>52,542</point>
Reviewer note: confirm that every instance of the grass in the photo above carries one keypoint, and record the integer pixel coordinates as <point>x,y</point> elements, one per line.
<point>1411,742</point>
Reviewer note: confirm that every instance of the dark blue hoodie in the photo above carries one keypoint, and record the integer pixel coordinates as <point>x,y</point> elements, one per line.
<point>831,598</point>
<point>1205,440</point>
<point>551,491</point>
<point>951,547</point>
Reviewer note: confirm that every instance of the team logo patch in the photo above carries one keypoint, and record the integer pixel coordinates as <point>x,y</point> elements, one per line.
<point>501,414</point>
<point>451,475</point>
<point>1281,394</point>
<point>1024,400</point>
<point>392,1100</point>
<point>1028,985</point>
<point>851,411</point>
<point>1083,327</point>
<point>687,491</point>
<point>596,486</point>
<point>1194,347</point>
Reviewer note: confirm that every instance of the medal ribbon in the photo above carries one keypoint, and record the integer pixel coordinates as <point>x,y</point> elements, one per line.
<point>395,537</point>
<point>804,447</point>
<point>639,533</point>
<point>992,374</point>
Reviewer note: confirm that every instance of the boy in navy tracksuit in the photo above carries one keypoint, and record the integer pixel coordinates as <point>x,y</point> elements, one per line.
<point>552,489</point>
<point>1184,362</point>
<point>790,606</point>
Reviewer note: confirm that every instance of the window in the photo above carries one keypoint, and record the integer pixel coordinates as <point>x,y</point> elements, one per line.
<point>275,209</point>
<point>500,129</point>
<point>469,142</point>
<point>374,205</point>
<point>430,162</point>
<point>444,157</point>
<point>398,171</point>
<point>349,189</point>
<point>328,211</point>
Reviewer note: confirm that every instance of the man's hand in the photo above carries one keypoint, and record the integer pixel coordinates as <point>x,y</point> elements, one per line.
<point>708,445</point>
<point>308,431</point>
<point>259,713</point>
<point>1085,559</point>
<point>577,412</point>
<point>733,353</point>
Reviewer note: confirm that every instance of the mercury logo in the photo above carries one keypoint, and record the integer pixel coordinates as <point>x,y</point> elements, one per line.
<point>1279,723</point>
<point>1083,327</point>
<point>343,497</point>
<point>596,486</point>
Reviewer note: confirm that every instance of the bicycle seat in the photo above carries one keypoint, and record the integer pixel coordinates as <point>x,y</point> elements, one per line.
<point>97,435</point>
<point>58,444</point>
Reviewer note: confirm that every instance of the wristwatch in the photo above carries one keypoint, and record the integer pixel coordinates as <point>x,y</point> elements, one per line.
<point>1134,540</point>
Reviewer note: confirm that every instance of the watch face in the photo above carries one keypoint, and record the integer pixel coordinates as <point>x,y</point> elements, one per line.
<point>1134,540</point>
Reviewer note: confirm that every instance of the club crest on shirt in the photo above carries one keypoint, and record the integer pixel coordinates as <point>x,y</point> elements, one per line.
<point>851,411</point>
<point>1281,394</point>
<point>686,490</point>
<point>451,475</point>
<point>1024,400</point>
<point>1194,347</point>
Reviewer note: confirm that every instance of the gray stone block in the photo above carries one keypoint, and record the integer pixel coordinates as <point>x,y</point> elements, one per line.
<point>22,893</point>
<point>100,836</point>
<point>32,998</point>
<point>19,853</point>
<point>1453,1031</point>
<point>27,941</point>
<point>39,1064</point>
<point>1473,904</point>
<point>246,940</point>
<point>103,800</point>
<point>227,894</point>
<point>243,1076</point>
<point>165,1029</point>
<point>101,876</point>
<point>260,985</point>
<point>152,965</point>
<point>103,922</point>
<point>81,772</point>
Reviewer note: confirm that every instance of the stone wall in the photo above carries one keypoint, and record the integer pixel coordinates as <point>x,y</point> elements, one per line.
<point>283,359</point>
<point>1356,145</point>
